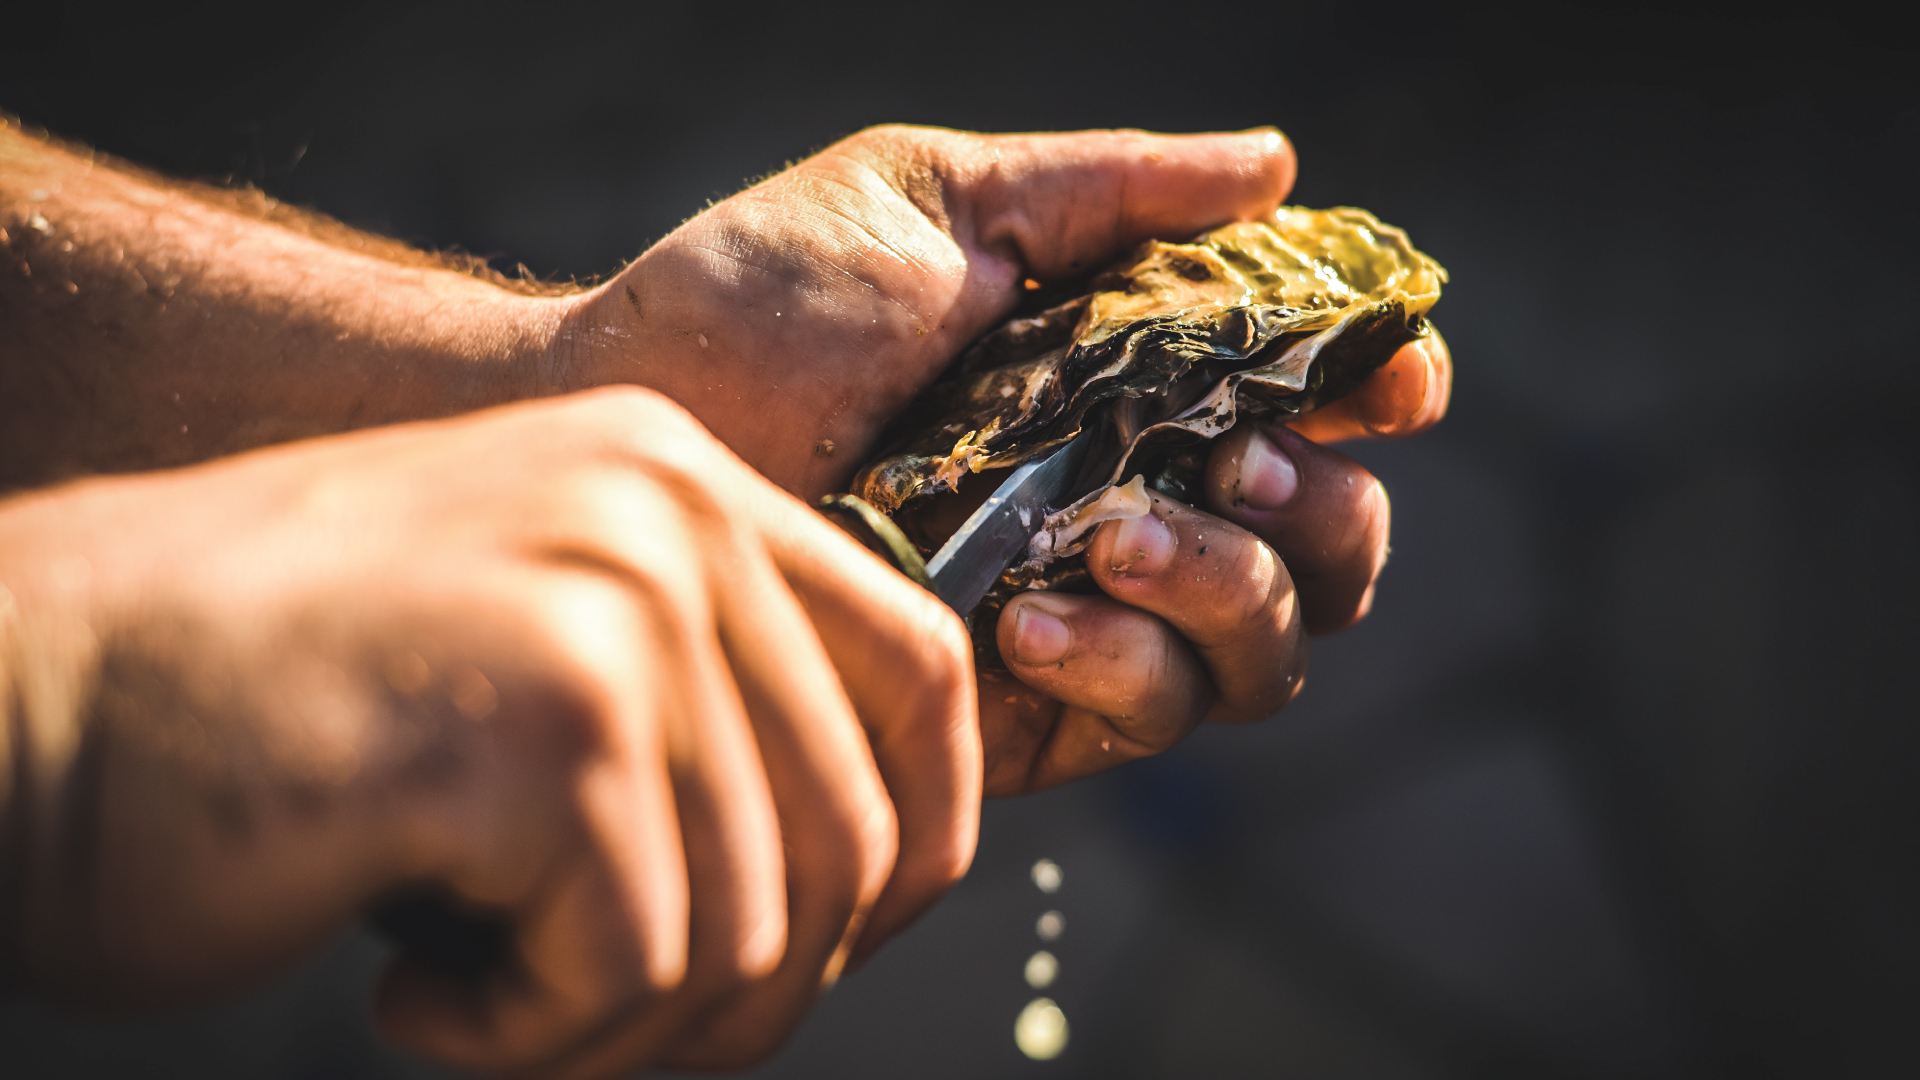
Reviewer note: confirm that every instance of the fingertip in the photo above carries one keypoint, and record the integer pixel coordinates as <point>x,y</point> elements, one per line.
<point>1061,203</point>
<point>1275,161</point>
<point>1245,174</point>
<point>1394,397</point>
<point>1033,632</point>
<point>1440,381</point>
<point>1250,476</point>
<point>1424,364</point>
<point>1405,396</point>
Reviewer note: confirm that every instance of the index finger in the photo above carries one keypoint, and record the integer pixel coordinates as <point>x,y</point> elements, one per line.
<point>1408,395</point>
<point>906,664</point>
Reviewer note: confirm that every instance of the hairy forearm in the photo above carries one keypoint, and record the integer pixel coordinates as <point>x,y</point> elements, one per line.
<point>145,323</point>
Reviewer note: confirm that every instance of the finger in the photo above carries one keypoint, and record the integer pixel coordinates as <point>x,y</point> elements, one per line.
<point>1016,721</point>
<point>1326,516</point>
<point>839,827</point>
<point>1406,396</point>
<point>1127,685</point>
<point>1221,588</point>
<point>738,918</point>
<point>907,666</point>
<point>1059,205</point>
<point>598,898</point>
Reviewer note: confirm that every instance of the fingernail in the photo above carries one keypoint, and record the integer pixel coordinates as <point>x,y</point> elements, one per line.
<point>1039,637</point>
<point>1268,477</point>
<point>1141,546</point>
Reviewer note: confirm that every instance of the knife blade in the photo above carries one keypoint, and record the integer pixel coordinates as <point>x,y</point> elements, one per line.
<point>967,565</point>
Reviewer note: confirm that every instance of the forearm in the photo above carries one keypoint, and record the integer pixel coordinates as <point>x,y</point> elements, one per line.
<point>146,324</point>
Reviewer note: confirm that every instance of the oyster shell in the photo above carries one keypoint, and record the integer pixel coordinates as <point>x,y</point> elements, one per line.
<point>1160,353</point>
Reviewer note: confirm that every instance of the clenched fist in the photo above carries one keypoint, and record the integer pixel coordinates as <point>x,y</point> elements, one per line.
<point>569,665</point>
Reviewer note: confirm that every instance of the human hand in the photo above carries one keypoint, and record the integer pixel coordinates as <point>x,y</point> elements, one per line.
<point>797,317</point>
<point>793,319</point>
<point>1203,613</point>
<point>569,664</point>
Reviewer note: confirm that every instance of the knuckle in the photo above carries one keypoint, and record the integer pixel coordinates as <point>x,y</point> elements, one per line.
<point>883,133</point>
<point>877,848</point>
<point>851,851</point>
<point>644,430</point>
<point>946,650</point>
<point>1370,524</point>
<point>1160,704</point>
<point>921,638</point>
<point>897,139</point>
<point>719,972</point>
<point>1255,588</point>
<point>1139,691</point>
<point>861,856</point>
<point>934,867</point>
<point>920,163</point>
<point>607,521</point>
<point>586,502</point>
<point>881,143</point>
<point>553,620</point>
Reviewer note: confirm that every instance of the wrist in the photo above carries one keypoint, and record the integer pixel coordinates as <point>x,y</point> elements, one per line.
<point>471,344</point>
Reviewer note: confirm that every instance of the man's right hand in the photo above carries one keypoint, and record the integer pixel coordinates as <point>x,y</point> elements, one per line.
<point>570,663</point>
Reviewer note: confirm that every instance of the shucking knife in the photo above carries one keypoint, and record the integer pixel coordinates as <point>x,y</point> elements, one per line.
<point>967,565</point>
<point>996,534</point>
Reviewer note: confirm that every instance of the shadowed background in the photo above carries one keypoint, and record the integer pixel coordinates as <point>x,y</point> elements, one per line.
<point>1618,779</point>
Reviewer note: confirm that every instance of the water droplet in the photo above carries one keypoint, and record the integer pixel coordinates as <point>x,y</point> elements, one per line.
<point>1050,926</point>
<point>1042,968</point>
<point>1046,876</point>
<point>1041,1030</point>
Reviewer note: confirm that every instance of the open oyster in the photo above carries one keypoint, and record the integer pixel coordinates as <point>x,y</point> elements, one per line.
<point>1163,351</point>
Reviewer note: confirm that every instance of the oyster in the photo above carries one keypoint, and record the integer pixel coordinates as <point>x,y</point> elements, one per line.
<point>1159,353</point>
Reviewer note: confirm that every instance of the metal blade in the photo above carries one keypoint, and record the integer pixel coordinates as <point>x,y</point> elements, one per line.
<point>966,566</point>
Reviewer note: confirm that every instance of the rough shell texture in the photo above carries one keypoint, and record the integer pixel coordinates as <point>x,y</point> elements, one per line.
<point>1165,350</point>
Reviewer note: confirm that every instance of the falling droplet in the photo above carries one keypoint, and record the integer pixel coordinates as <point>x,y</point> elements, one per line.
<point>1046,876</point>
<point>1050,926</point>
<point>1042,968</point>
<point>1041,1030</point>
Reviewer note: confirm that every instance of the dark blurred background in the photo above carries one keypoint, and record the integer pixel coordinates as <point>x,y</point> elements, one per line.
<point>1619,778</point>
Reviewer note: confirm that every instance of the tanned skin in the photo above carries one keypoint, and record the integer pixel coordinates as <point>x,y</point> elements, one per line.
<point>334,568</point>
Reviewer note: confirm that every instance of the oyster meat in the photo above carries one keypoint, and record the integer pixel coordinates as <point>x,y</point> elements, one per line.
<point>1154,356</point>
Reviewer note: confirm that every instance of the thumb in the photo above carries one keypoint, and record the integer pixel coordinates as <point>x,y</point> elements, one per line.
<point>1058,205</point>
